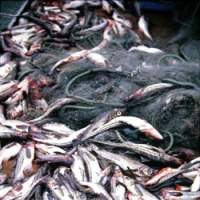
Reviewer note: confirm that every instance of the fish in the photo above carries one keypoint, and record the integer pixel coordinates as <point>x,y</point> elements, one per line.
<point>4,189</point>
<point>58,128</point>
<point>17,125</point>
<point>9,151</point>
<point>22,190</point>
<point>92,164</point>
<point>107,37</point>
<point>5,58</point>
<point>97,189</point>
<point>98,59</point>
<point>8,70</point>
<point>95,28</point>
<point>66,180</point>
<point>121,20</point>
<point>191,174</point>
<point>17,111</point>
<point>3,178</point>
<point>93,2</point>
<point>145,193</point>
<point>58,191</point>
<point>23,88</point>
<point>143,27</point>
<point>126,163</point>
<point>140,124</point>
<point>52,107</point>
<point>119,4</point>
<point>24,166</point>
<point>119,29</point>
<point>65,159</point>
<point>78,168</point>
<point>48,149</point>
<point>10,133</point>
<point>180,195</point>
<point>148,91</point>
<point>149,151</point>
<point>159,175</point>
<point>57,140</point>
<point>164,176</point>
<point>100,121</point>
<point>119,192</point>
<point>73,4</point>
<point>130,184</point>
<point>70,59</point>
<point>2,115</point>
<point>195,187</point>
<point>106,6</point>
<point>47,196</point>
<point>143,48</point>
<point>7,89</point>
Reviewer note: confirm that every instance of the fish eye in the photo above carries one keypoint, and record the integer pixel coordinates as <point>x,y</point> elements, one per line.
<point>119,113</point>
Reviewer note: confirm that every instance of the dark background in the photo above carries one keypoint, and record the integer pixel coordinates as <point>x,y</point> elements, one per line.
<point>8,6</point>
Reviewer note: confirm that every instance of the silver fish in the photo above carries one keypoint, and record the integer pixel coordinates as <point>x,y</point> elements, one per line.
<point>57,140</point>
<point>196,183</point>
<point>66,159</point>
<point>98,59</point>
<point>48,149</point>
<point>23,88</point>
<point>149,151</point>
<point>97,189</point>
<point>180,195</point>
<point>145,193</point>
<point>143,27</point>
<point>92,164</point>
<point>9,151</point>
<point>58,190</point>
<point>47,196</point>
<point>120,19</point>
<point>106,6</point>
<point>124,162</point>
<point>118,191</point>
<point>24,164</point>
<point>7,89</point>
<point>5,58</point>
<point>54,106</point>
<point>9,133</point>
<point>160,174</point>
<point>7,71</point>
<point>70,59</point>
<point>22,190</point>
<point>4,189</point>
<point>149,90</point>
<point>78,169</point>
<point>119,4</point>
<point>130,184</point>
<point>59,128</point>
<point>73,4</point>
<point>3,178</point>
<point>67,182</point>
<point>142,125</point>
<point>143,48</point>
<point>2,115</point>
<point>17,125</point>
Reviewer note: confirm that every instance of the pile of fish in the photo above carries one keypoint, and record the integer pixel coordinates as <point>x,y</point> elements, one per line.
<point>44,159</point>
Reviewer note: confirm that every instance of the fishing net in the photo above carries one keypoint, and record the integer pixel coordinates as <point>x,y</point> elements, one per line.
<point>175,111</point>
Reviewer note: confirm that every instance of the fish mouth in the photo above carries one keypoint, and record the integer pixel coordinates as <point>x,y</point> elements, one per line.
<point>154,134</point>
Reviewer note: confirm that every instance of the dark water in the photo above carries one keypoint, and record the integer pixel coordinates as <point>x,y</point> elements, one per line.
<point>11,7</point>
